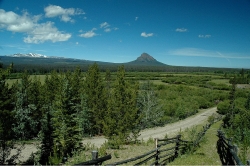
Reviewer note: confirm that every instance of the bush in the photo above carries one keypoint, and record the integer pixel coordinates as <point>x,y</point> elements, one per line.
<point>223,107</point>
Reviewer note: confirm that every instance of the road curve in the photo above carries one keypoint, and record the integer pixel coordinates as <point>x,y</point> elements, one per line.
<point>157,132</point>
<point>169,129</point>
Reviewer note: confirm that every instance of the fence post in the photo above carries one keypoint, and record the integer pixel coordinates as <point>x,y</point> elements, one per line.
<point>177,146</point>
<point>157,152</point>
<point>230,160</point>
<point>235,148</point>
<point>94,154</point>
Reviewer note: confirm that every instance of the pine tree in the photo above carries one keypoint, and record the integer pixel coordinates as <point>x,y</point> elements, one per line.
<point>108,83</point>
<point>46,135</point>
<point>7,138</point>
<point>35,99</point>
<point>25,126</point>
<point>48,90</point>
<point>95,99</point>
<point>123,116</point>
<point>65,119</point>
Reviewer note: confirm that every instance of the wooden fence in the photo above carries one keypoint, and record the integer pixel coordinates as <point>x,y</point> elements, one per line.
<point>227,151</point>
<point>166,150</point>
<point>95,160</point>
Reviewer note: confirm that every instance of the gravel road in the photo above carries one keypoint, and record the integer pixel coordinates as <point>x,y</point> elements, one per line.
<point>169,129</point>
<point>157,132</point>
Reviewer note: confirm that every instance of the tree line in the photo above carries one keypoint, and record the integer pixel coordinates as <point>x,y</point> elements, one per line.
<point>68,106</point>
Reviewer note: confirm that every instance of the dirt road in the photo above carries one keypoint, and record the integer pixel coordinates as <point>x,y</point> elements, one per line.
<point>169,129</point>
<point>157,132</point>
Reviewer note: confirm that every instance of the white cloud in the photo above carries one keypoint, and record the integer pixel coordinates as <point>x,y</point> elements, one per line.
<point>107,27</point>
<point>144,34</point>
<point>37,32</point>
<point>46,32</point>
<point>181,30</point>
<point>107,30</point>
<point>104,25</point>
<point>136,18</point>
<point>89,34</point>
<point>17,23</point>
<point>206,53</point>
<point>204,36</point>
<point>64,14</point>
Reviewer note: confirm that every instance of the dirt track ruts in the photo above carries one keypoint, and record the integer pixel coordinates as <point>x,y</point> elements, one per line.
<point>169,129</point>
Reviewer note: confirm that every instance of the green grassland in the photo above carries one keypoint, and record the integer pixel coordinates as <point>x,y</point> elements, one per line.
<point>206,154</point>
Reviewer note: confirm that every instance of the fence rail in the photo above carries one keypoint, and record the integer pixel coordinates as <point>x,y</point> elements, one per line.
<point>227,151</point>
<point>166,150</point>
<point>95,160</point>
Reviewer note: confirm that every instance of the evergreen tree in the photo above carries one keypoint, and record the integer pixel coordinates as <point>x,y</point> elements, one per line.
<point>65,119</point>
<point>48,90</point>
<point>123,116</point>
<point>35,98</point>
<point>25,126</point>
<point>46,135</point>
<point>108,83</point>
<point>95,99</point>
<point>7,138</point>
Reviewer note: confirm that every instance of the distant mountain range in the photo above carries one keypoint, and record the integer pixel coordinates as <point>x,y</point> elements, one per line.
<point>39,62</point>
<point>33,55</point>
<point>34,58</point>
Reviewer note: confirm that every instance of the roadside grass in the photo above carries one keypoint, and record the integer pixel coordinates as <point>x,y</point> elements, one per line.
<point>206,154</point>
<point>125,152</point>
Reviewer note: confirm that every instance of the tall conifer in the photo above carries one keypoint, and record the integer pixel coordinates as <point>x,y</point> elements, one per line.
<point>95,99</point>
<point>123,115</point>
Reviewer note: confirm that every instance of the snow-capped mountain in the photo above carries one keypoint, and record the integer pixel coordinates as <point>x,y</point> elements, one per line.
<point>33,55</point>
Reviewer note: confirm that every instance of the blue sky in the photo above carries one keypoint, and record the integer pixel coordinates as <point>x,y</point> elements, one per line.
<point>209,33</point>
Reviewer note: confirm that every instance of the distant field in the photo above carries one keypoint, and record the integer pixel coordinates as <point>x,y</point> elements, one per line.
<point>193,74</point>
<point>221,81</point>
<point>12,81</point>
